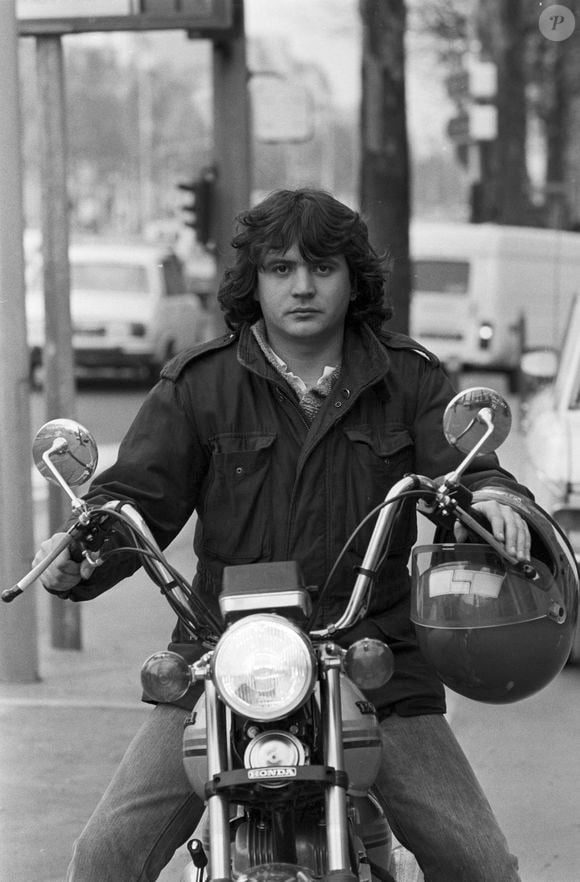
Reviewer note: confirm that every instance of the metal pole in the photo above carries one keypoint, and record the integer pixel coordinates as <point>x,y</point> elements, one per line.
<point>18,633</point>
<point>231,138</point>
<point>58,354</point>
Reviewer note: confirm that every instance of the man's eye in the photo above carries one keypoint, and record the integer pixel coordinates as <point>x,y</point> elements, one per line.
<point>281,269</point>
<point>323,269</point>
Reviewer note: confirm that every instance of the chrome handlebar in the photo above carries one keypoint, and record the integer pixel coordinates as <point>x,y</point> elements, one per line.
<point>359,599</point>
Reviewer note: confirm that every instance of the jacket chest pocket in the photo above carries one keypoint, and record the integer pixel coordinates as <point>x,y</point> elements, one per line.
<point>385,455</point>
<point>237,501</point>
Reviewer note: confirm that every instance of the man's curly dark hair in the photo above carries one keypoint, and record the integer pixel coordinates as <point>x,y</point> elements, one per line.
<point>321,226</point>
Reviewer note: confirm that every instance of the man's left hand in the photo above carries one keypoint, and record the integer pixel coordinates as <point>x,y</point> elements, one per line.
<point>506,525</point>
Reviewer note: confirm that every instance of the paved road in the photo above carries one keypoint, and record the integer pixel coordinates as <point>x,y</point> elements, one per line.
<point>526,757</point>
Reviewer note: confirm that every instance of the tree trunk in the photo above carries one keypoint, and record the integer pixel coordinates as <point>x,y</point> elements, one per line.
<point>570,128</point>
<point>385,176</point>
<point>554,70</point>
<point>504,184</point>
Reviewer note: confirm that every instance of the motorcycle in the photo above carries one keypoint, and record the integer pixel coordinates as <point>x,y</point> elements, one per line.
<point>283,745</point>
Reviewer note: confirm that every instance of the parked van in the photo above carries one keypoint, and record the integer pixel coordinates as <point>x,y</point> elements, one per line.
<point>482,292</point>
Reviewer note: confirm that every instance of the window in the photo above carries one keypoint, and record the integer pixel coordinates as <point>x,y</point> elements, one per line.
<point>440,276</point>
<point>130,277</point>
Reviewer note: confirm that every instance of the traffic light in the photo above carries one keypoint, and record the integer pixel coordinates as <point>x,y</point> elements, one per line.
<point>199,212</point>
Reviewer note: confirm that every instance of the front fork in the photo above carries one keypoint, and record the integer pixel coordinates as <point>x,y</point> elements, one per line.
<point>335,798</point>
<point>337,831</point>
<point>217,804</point>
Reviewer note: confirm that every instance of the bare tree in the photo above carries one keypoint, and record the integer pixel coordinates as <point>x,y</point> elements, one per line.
<point>555,70</point>
<point>385,176</point>
<point>501,27</point>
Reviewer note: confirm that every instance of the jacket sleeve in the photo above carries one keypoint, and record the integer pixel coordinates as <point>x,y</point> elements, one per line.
<point>159,469</point>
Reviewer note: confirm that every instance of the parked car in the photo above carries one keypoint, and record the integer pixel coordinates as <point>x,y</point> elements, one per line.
<point>482,293</point>
<point>132,307</point>
<point>551,423</point>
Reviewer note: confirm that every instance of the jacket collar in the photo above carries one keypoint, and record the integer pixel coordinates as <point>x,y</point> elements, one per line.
<point>365,360</point>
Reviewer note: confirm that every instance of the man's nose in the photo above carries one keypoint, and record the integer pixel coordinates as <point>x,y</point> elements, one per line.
<point>303,281</point>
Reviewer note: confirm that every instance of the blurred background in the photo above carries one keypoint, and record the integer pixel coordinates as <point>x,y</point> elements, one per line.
<point>139,111</point>
<point>132,133</point>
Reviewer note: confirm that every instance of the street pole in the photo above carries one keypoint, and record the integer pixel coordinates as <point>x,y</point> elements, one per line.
<point>231,139</point>
<point>18,629</point>
<point>59,386</point>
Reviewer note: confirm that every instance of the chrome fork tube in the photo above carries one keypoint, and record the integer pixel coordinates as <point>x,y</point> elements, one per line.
<point>217,805</point>
<point>336,812</point>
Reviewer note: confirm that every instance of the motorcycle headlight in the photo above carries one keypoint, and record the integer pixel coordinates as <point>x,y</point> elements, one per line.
<point>263,667</point>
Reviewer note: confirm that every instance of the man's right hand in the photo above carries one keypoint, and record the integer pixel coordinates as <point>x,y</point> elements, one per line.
<point>63,573</point>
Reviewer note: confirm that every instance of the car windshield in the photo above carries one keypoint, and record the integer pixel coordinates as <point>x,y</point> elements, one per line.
<point>130,277</point>
<point>440,276</point>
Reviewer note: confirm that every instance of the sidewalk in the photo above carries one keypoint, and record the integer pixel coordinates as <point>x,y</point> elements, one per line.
<point>61,738</point>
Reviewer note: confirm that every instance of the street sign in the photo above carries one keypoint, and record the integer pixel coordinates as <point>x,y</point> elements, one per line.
<point>477,123</point>
<point>483,122</point>
<point>477,81</point>
<point>482,80</point>
<point>203,17</point>
<point>282,111</point>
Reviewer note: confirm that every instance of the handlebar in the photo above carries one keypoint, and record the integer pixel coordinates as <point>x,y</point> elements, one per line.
<point>9,594</point>
<point>359,599</point>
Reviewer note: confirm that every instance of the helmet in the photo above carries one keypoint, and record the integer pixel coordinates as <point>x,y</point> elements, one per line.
<point>495,632</point>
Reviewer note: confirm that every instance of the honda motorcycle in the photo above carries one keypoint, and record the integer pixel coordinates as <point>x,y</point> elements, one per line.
<point>283,745</point>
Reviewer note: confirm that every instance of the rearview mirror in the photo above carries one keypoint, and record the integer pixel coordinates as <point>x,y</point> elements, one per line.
<point>464,420</point>
<point>74,451</point>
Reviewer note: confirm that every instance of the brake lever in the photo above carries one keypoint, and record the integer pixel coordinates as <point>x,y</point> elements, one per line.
<point>92,538</point>
<point>451,504</point>
<point>473,523</point>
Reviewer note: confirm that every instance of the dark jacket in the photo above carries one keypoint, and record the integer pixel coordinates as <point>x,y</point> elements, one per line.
<point>222,434</point>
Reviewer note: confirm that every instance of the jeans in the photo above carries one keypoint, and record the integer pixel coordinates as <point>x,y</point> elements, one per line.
<point>435,805</point>
<point>429,793</point>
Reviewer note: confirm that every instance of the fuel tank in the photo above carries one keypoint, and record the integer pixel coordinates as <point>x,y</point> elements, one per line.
<point>361,738</point>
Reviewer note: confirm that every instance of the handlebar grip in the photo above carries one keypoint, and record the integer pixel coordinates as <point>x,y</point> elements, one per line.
<point>10,593</point>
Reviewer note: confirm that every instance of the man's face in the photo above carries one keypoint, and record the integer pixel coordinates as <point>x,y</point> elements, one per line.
<point>303,301</point>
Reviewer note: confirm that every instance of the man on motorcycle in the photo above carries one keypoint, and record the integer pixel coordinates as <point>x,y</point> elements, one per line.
<point>282,435</point>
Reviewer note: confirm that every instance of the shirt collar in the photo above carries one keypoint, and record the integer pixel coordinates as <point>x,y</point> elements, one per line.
<point>297,383</point>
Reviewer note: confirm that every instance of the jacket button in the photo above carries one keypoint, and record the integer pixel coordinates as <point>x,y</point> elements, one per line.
<point>239,470</point>
<point>346,393</point>
<point>338,403</point>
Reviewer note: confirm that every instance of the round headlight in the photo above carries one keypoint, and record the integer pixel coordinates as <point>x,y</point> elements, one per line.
<point>263,667</point>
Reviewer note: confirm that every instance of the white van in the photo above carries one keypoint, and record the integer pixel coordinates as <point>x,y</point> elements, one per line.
<point>482,292</point>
